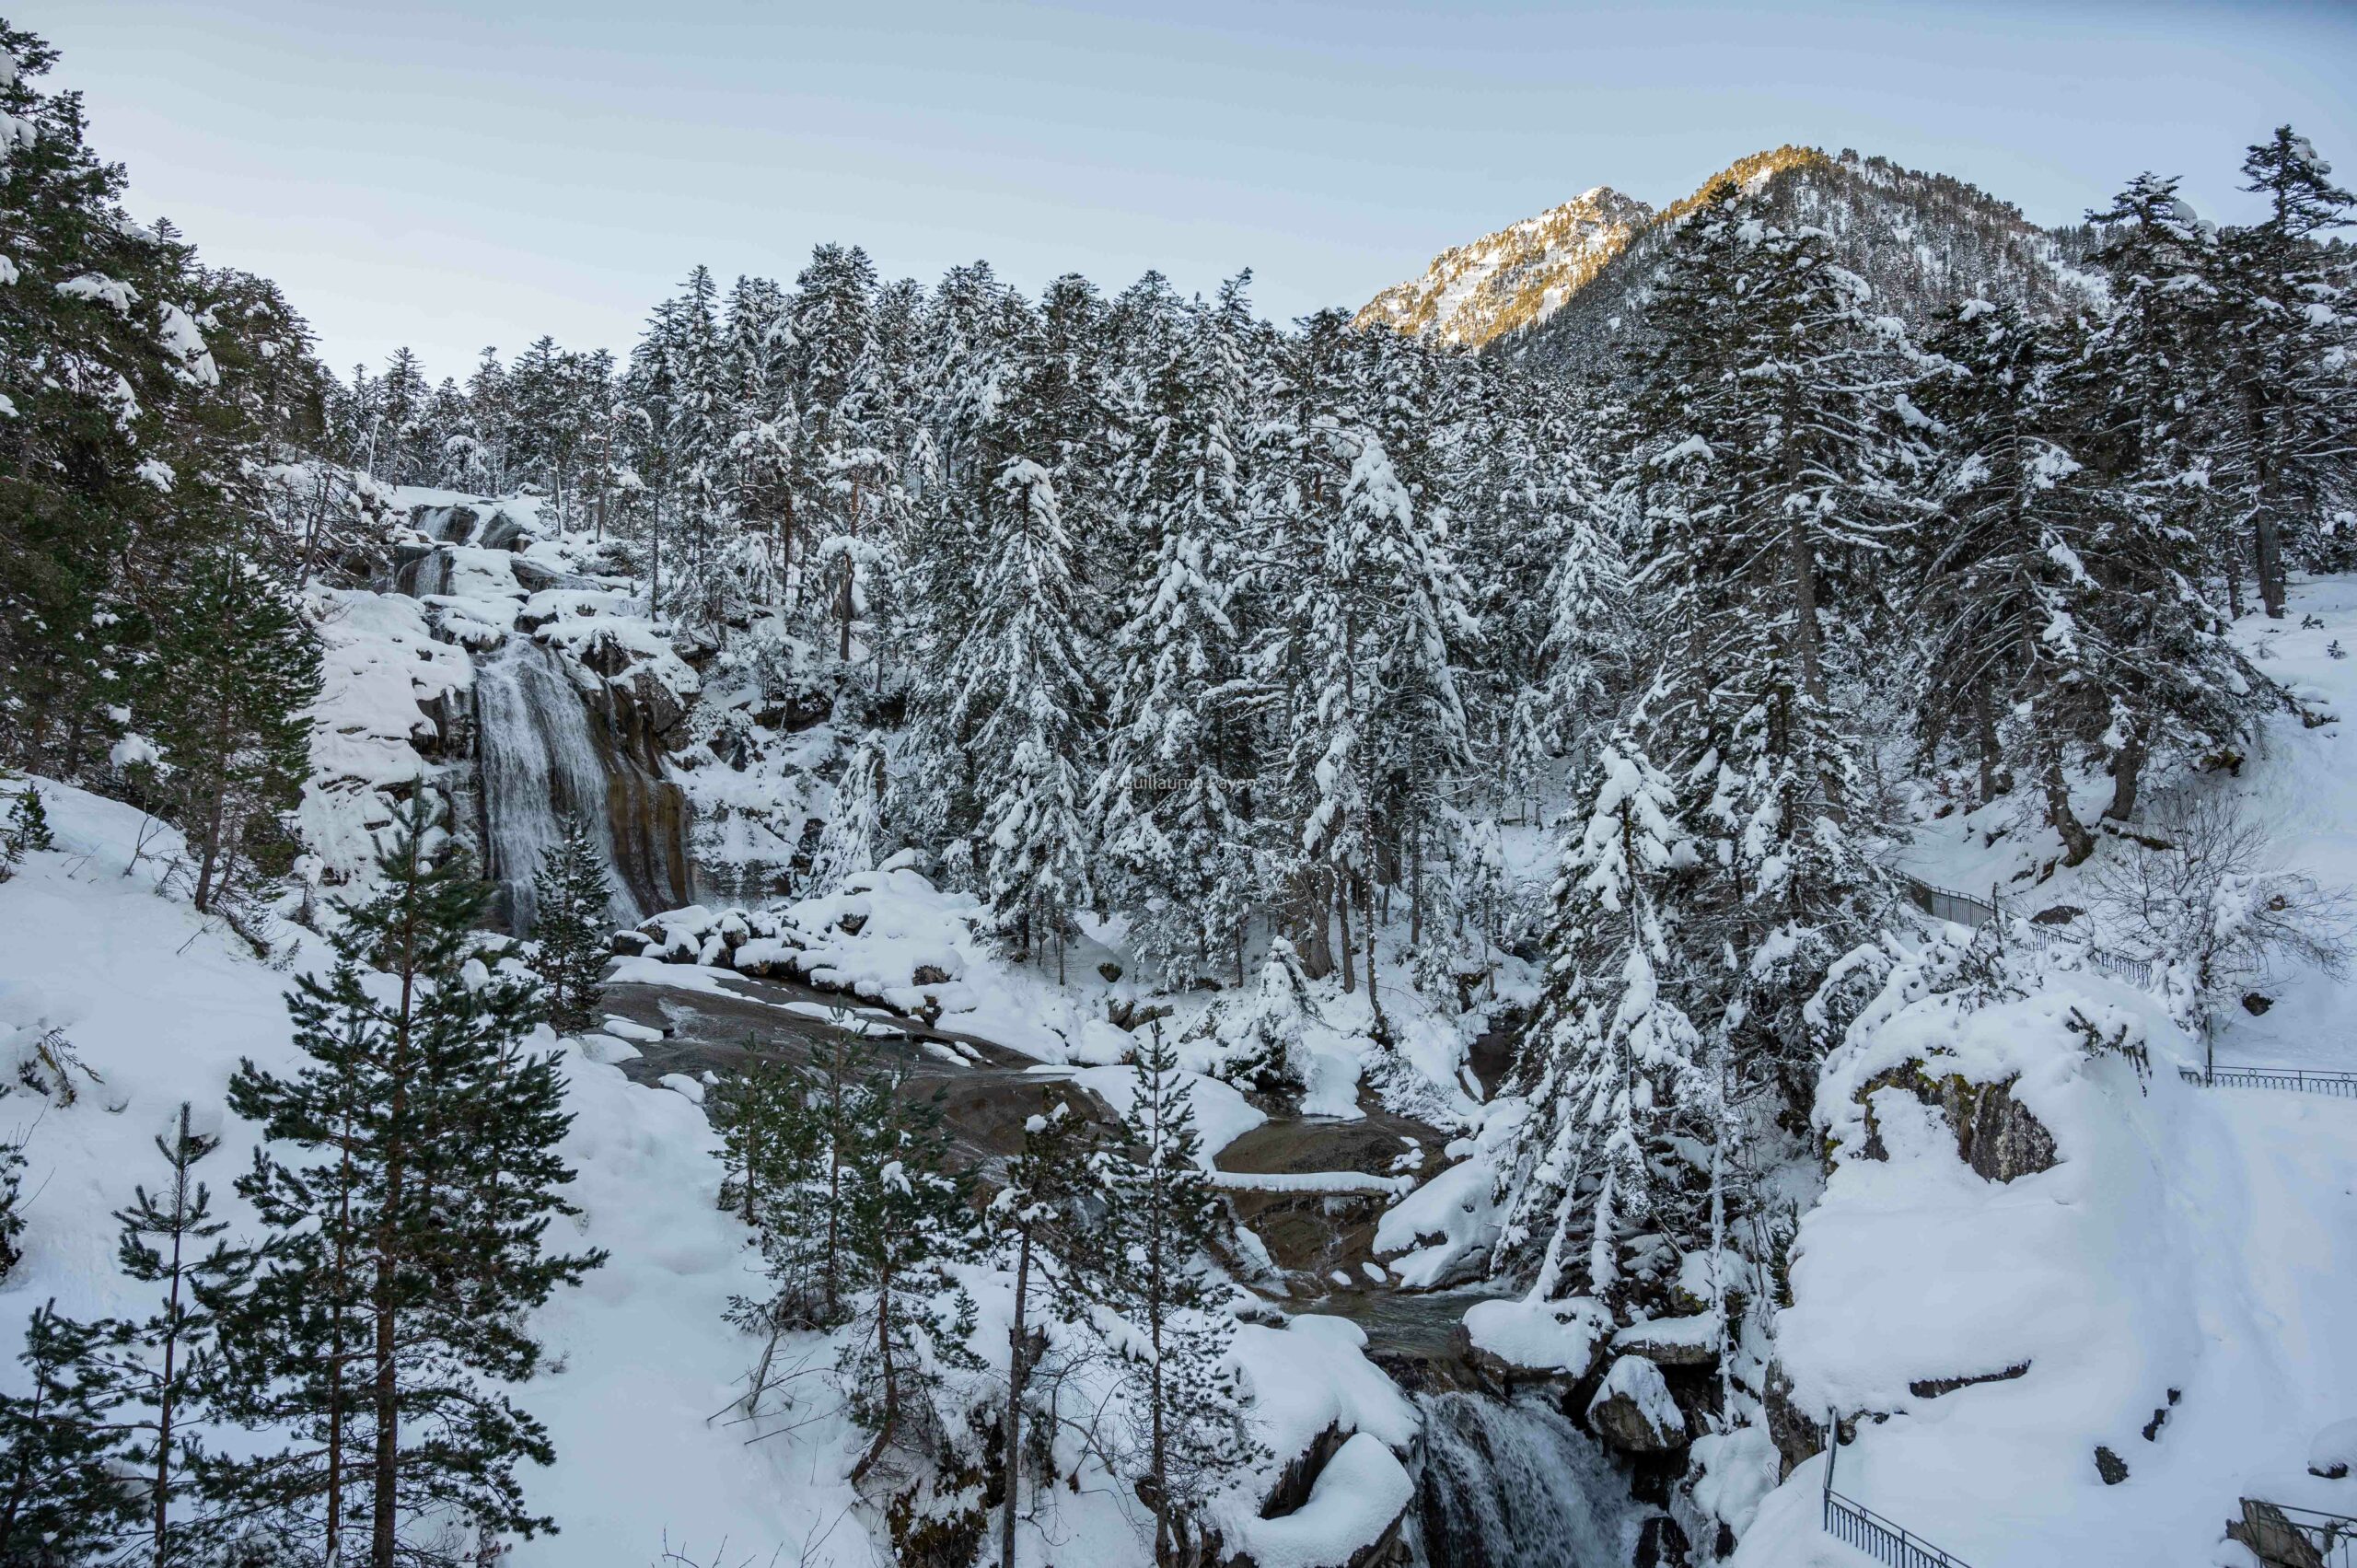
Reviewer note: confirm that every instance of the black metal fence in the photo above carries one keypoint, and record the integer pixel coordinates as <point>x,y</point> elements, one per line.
<point>1963,909</point>
<point>2306,1079</point>
<point>1855,1525</point>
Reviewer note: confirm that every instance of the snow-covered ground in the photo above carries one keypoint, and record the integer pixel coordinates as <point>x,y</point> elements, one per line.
<point>642,1373</point>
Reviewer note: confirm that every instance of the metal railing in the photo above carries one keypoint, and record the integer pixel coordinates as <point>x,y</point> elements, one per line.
<point>1963,909</point>
<point>1854,1524</point>
<point>2306,1079</point>
<point>2280,1536</point>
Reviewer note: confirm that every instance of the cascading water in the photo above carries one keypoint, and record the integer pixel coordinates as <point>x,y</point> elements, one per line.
<point>539,764</point>
<point>1513,1485</point>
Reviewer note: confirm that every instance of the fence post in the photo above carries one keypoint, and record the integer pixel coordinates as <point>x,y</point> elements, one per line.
<point>1832,1453</point>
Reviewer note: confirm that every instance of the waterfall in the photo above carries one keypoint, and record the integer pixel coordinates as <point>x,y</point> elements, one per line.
<point>540,758</point>
<point>1513,1485</point>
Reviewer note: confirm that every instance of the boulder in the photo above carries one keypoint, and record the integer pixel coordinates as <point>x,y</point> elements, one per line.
<point>1997,1135</point>
<point>1633,1411</point>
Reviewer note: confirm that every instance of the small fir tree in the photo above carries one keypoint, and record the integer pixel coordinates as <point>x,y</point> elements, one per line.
<point>1163,1217</point>
<point>905,1220</point>
<point>574,896</point>
<point>62,1499</point>
<point>164,1365</point>
<point>1040,1218</point>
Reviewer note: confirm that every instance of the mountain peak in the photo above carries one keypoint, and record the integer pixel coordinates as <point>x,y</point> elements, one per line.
<point>1509,278</point>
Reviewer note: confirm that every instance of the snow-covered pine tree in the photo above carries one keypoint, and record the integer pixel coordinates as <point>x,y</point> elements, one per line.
<point>1258,1033</point>
<point>2161,678</point>
<point>906,1220</point>
<point>240,667</point>
<point>2284,301</point>
<point>2003,586</point>
<point>1164,808</point>
<point>406,1181</point>
<point>853,840</point>
<point>1781,462</point>
<point>572,900</point>
<point>1163,1215</point>
<point>1613,1068</point>
<point>1023,697</point>
<point>1040,1219</point>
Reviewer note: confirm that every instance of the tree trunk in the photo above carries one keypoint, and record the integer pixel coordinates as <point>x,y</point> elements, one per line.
<point>1984,732</point>
<point>2077,843</point>
<point>2127,772</point>
<point>1342,919</point>
<point>1015,1371</point>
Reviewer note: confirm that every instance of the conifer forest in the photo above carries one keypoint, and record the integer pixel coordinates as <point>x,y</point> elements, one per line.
<point>1678,894</point>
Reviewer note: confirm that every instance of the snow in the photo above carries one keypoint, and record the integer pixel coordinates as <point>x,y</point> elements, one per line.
<point>1639,1381</point>
<point>163,1004</point>
<point>1541,1335</point>
<point>1360,1493</point>
<point>2183,1267</point>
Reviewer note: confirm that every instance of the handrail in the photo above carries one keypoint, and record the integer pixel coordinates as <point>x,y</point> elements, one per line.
<point>1854,1524</point>
<point>1979,912</point>
<point>2309,1079</point>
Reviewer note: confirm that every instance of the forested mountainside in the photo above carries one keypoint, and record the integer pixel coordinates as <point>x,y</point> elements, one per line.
<point>1560,291</point>
<point>919,924</point>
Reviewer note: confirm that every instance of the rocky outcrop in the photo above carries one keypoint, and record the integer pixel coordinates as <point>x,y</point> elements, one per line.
<point>1635,1411</point>
<point>1997,1135</point>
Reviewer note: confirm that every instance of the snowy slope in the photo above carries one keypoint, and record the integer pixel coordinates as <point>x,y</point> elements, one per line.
<point>2187,1267</point>
<point>642,1370</point>
<point>1511,279</point>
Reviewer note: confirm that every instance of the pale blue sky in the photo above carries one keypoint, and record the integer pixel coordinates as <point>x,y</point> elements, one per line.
<point>453,175</point>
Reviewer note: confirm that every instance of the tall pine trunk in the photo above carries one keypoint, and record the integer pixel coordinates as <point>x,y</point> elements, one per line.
<point>1016,1372</point>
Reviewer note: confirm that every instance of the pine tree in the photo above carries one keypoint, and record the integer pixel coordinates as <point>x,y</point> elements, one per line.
<point>1040,1216</point>
<point>165,1364</point>
<point>240,667</point>
<point>60,1500</point>
<point>775,1142</point>
<point>407,1179</point>
<point>12,1213</point>
<point>1610,1062</point>
<point>574,900</point>
<point>853,840</point>
<point>1163,1215</point>
<point>1023,696</point>
<point>905,1220</point>
<point>27,828</point>
<point>1164,808</point>
<point>2284,298</point>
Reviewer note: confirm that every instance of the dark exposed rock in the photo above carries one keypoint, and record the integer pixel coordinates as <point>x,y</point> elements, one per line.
<point>2160,1418</point>
<point>1996,1133</point>
<point>851,923</point>
<point>2110,1465</point>
<point>1111,971</point>
<point>1662,1342</point>
<point>1662,1543</point>
<point>1933,1388</point>
<point>929,974</point>
<point>629,944</point>
<point>2254,1004</point>
<point>2057,914</point>
<point>1124,1014</point>
<point>1619,1414</point>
